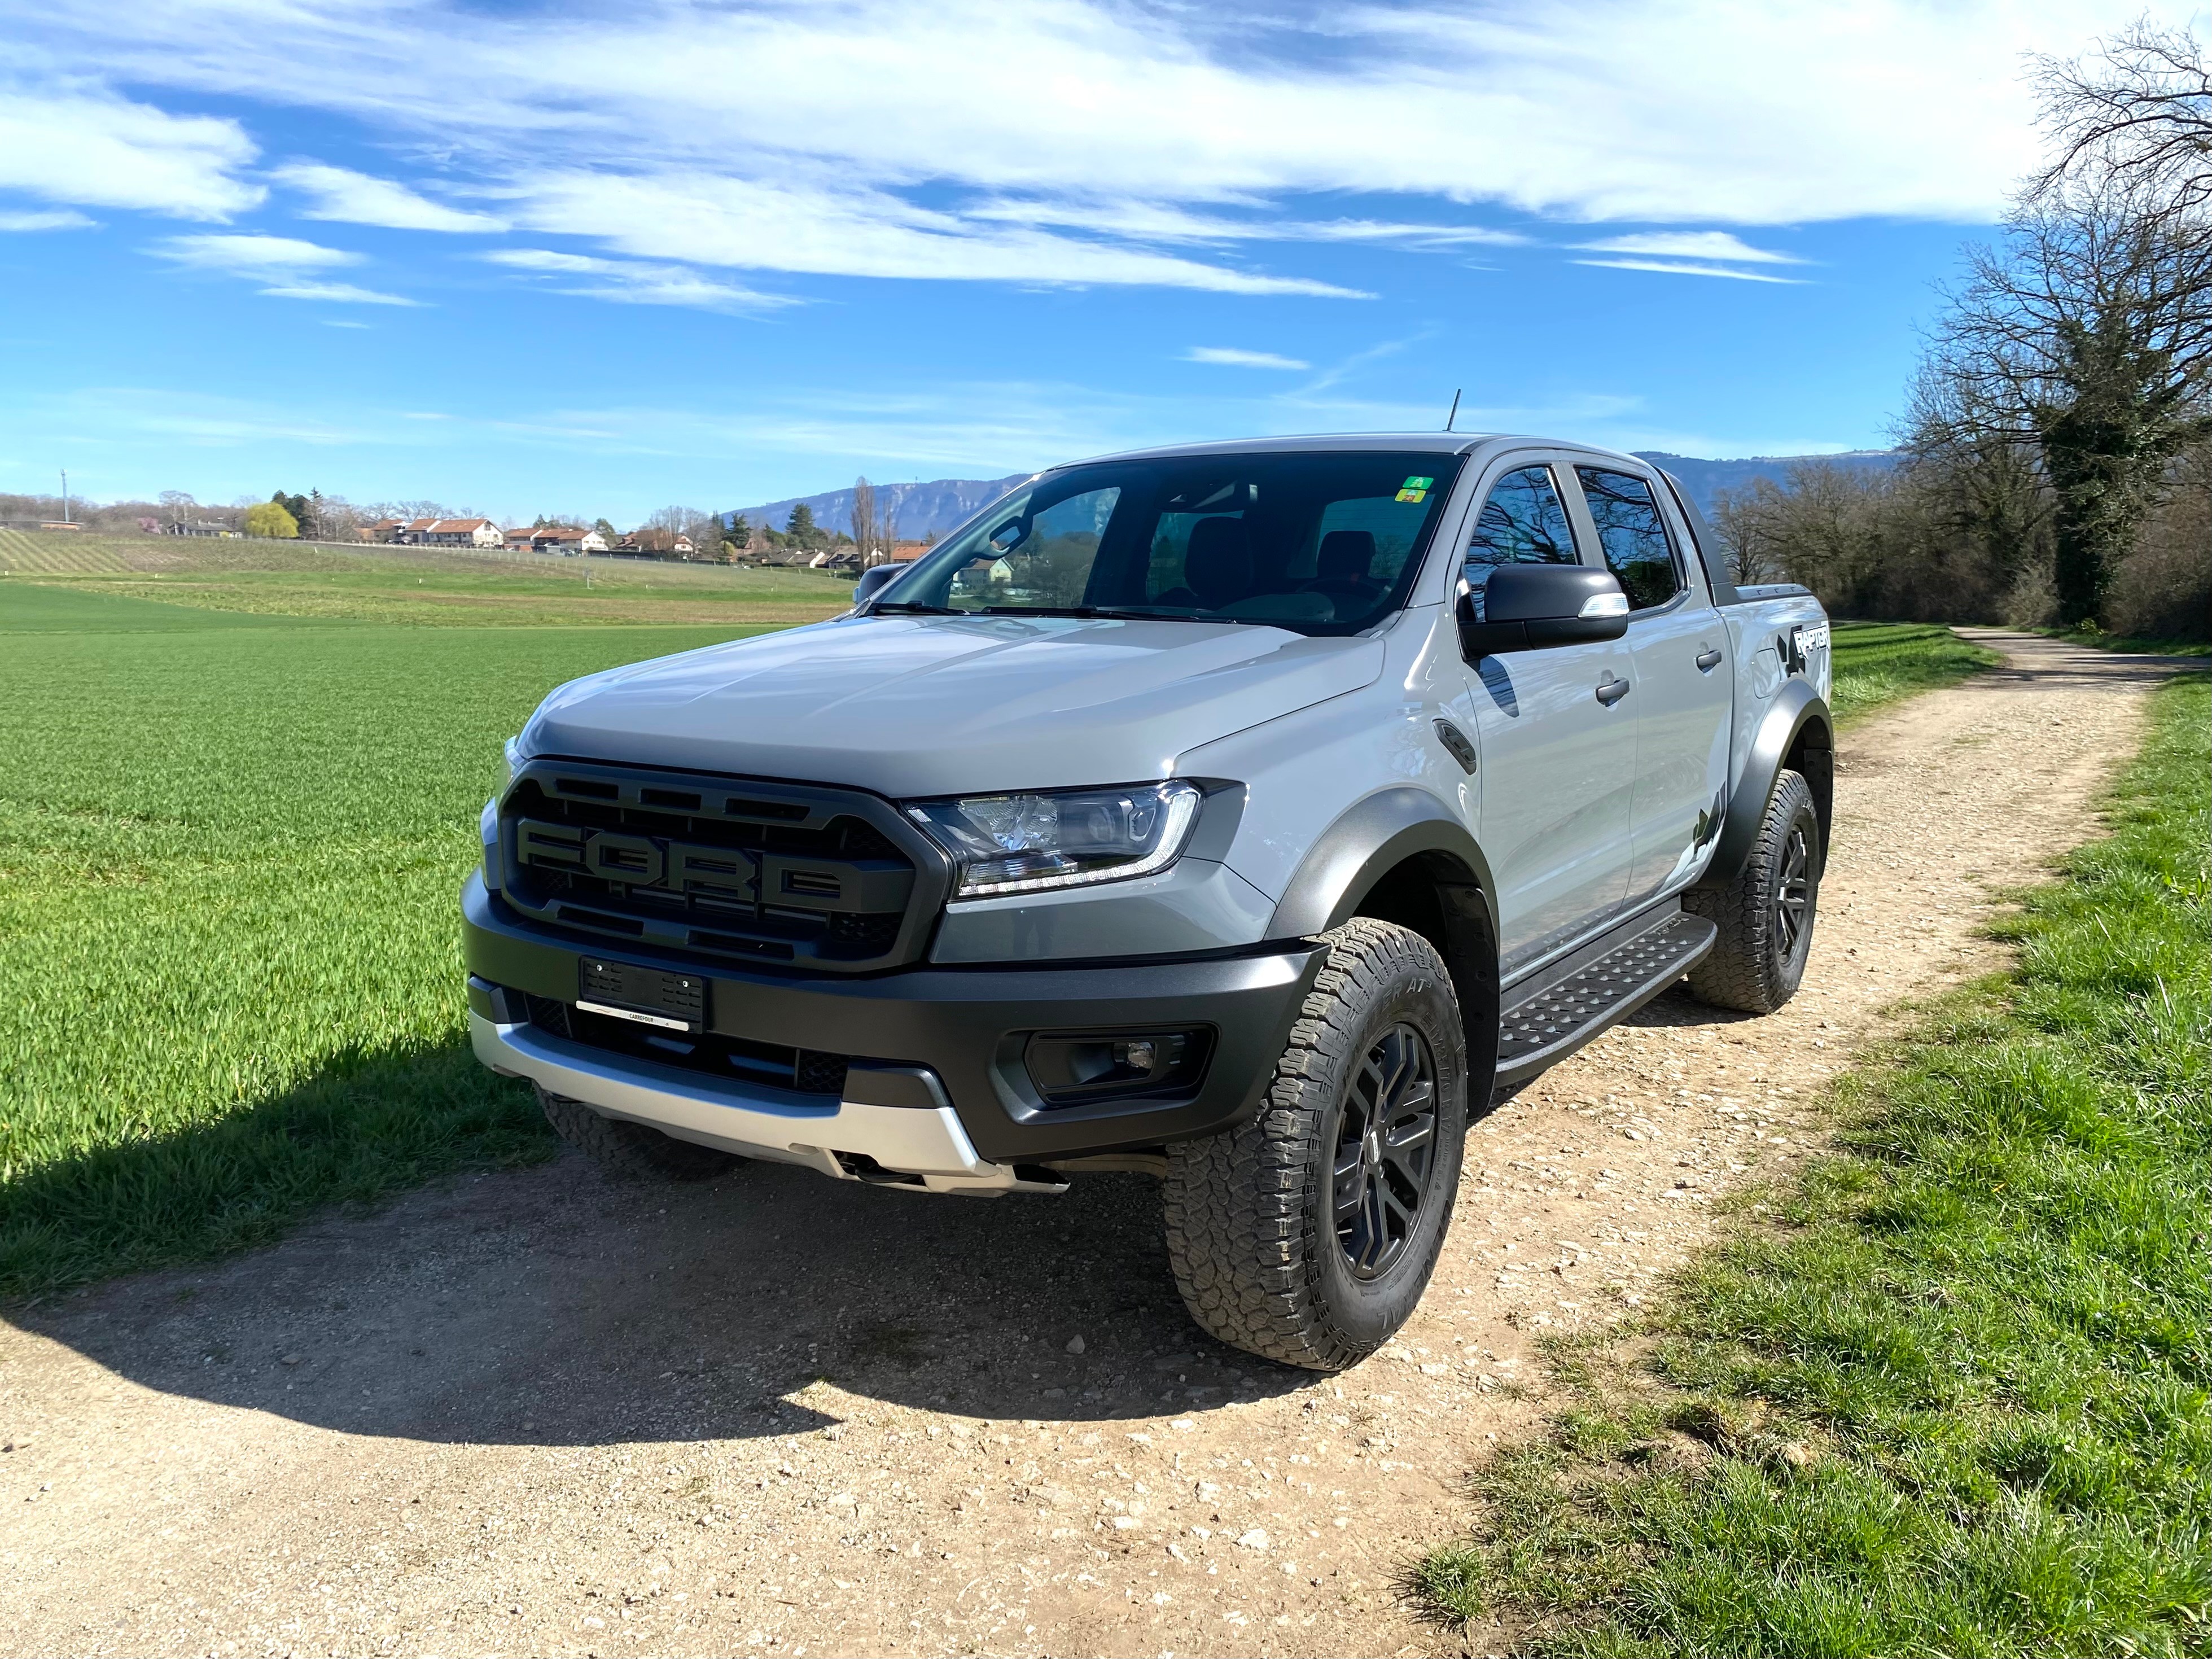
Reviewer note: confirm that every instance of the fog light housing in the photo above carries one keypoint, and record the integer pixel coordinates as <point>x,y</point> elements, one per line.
<point>1070,1068</point>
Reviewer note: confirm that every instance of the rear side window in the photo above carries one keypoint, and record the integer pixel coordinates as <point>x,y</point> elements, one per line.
<point>1522,522</point>
<point>1632,535</point>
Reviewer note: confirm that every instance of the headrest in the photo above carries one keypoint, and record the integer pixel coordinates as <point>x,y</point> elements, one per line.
<point>1217,566</point>
<point>1345,556</point>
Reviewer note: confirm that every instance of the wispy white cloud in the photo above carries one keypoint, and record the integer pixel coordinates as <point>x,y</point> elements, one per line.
<point>1707,245</point>
<point>361,199</point>
<point>342,293</point>
<point>634,281</point>
<point>796,223</point>
<point>1157,222</point>
<point>287,265</point>
<point>51,219</point>
<point>261,258</point>
<point>66,138</point>
<point>1233,357</point>
<point>1685,268</point>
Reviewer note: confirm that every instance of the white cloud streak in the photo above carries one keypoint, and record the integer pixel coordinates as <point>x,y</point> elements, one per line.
<point>360,199</point>
<point>1693,244</point>
<point>77,143</point>
<point>289,267</point>
<point>51,219</point>
<point>632,282</point>
<point>1684,267</point>
<point>1233,357</point>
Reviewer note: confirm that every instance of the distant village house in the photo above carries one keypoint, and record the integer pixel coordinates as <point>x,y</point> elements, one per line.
<point>568,539</point>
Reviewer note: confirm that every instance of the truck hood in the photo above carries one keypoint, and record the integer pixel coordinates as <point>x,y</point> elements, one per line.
<point>920,706</point>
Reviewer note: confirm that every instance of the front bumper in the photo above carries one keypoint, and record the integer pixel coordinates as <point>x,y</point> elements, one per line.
<point>906,1135</point>
<point>956,1035</point>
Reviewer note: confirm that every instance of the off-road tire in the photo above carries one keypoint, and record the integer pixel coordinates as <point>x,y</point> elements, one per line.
<point>1251,1230</point>
<point>1750,968</point>
<point>632,1148</point>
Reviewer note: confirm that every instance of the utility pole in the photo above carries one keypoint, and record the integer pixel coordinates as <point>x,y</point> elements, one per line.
<point>65,517</point>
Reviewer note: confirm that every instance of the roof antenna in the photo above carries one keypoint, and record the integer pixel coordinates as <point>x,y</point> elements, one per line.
<point>1453,416</point>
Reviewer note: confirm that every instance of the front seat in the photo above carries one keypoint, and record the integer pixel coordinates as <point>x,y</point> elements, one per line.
<point>1341,565</point>
<point>1217,567</point>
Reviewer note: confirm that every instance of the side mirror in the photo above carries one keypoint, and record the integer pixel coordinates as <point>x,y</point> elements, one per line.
<point>1526,607</point>
<point>874,581</point>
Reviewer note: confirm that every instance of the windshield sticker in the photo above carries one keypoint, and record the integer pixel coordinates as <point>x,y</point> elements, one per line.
<point>1415,490</point>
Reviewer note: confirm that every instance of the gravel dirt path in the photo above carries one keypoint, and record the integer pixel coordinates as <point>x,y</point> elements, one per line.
<point>538,1412</point>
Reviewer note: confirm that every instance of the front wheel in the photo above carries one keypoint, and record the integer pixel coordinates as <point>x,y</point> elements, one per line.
<point>1308,1235</point>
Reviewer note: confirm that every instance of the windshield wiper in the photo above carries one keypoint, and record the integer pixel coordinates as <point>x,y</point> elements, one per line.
<point>1109,613</point>
<point>913,608</point>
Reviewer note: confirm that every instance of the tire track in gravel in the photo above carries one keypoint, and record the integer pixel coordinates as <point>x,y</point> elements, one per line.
<point>541,1413</point>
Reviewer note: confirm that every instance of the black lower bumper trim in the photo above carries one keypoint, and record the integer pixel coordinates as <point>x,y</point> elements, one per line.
<point>970,1026</point>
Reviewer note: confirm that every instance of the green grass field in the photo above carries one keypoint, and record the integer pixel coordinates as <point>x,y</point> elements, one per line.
<point>1956,1403</point>
<point>230,848</point>
<point>231,839</point>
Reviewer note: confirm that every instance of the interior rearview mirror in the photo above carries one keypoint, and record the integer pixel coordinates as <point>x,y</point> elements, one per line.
<point>1010,535</point>
<point>1526,607</point>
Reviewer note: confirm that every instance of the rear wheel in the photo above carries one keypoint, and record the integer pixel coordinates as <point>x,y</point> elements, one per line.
<point>632,1148</point>
<point>1766,914</point>
<point>1308,1235</point>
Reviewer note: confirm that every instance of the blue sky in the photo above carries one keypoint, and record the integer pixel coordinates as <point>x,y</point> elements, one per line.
<point>525,259</point>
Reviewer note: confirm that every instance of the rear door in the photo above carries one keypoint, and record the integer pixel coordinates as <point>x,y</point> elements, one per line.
<point>1684,685</point>
<point>1558,762</point>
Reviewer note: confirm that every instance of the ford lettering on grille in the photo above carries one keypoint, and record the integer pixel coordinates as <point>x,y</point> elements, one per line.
<point>717,872</point>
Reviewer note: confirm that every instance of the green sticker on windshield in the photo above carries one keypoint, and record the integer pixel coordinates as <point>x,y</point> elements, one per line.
<point>1415,490</point>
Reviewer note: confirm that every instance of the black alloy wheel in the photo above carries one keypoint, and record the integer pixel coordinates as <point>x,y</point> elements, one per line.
<point>1385,1152</point>
<point>1793,892</point>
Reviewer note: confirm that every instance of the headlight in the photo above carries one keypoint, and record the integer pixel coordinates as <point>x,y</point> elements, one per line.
<point>1024,843</point>
<point>513,757</point>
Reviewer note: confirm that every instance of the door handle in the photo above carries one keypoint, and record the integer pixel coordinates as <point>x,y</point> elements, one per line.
<point>1611,690</point>
<point>1708,661</point>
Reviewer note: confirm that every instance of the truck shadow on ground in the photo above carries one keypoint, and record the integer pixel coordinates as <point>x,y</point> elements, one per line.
<point>555,1306</point>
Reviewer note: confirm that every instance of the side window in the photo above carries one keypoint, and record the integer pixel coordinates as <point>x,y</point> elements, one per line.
<point>1632,534</point>
<point>1523,522</point>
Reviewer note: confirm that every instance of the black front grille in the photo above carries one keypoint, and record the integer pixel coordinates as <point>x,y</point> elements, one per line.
<point>805,1071</point>
<point>767,874</point>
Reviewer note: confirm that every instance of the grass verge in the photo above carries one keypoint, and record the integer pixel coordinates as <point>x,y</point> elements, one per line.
<point>2152,647</point>
<point>230,850</point>
<point>1877,664</point>
<point>1956,1400</point>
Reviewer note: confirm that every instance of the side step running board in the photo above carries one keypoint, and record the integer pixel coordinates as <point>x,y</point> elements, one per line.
<point>1546,1027</point>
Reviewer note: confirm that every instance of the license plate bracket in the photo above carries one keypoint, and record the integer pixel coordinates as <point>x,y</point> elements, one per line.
<point>646,996</point>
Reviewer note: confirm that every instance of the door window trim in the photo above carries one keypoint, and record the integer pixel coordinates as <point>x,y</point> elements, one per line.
<point>1578,508</point>
<point>1561,464</point>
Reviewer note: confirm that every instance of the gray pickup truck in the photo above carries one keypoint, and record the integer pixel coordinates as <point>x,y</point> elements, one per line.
<point>1245,814</point>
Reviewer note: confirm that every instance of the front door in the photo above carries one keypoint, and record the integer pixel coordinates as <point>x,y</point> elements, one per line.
<point>1559,761</point>
<point>1685,690</point>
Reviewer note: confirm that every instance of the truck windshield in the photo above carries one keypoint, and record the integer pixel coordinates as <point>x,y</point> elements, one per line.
<point>1324,543</point>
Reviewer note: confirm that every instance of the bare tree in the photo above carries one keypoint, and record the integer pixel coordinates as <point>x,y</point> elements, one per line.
<point>2135,114</point>
<point>1745,519</point>
<point>2088,334</point>
<point>865,532</point>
